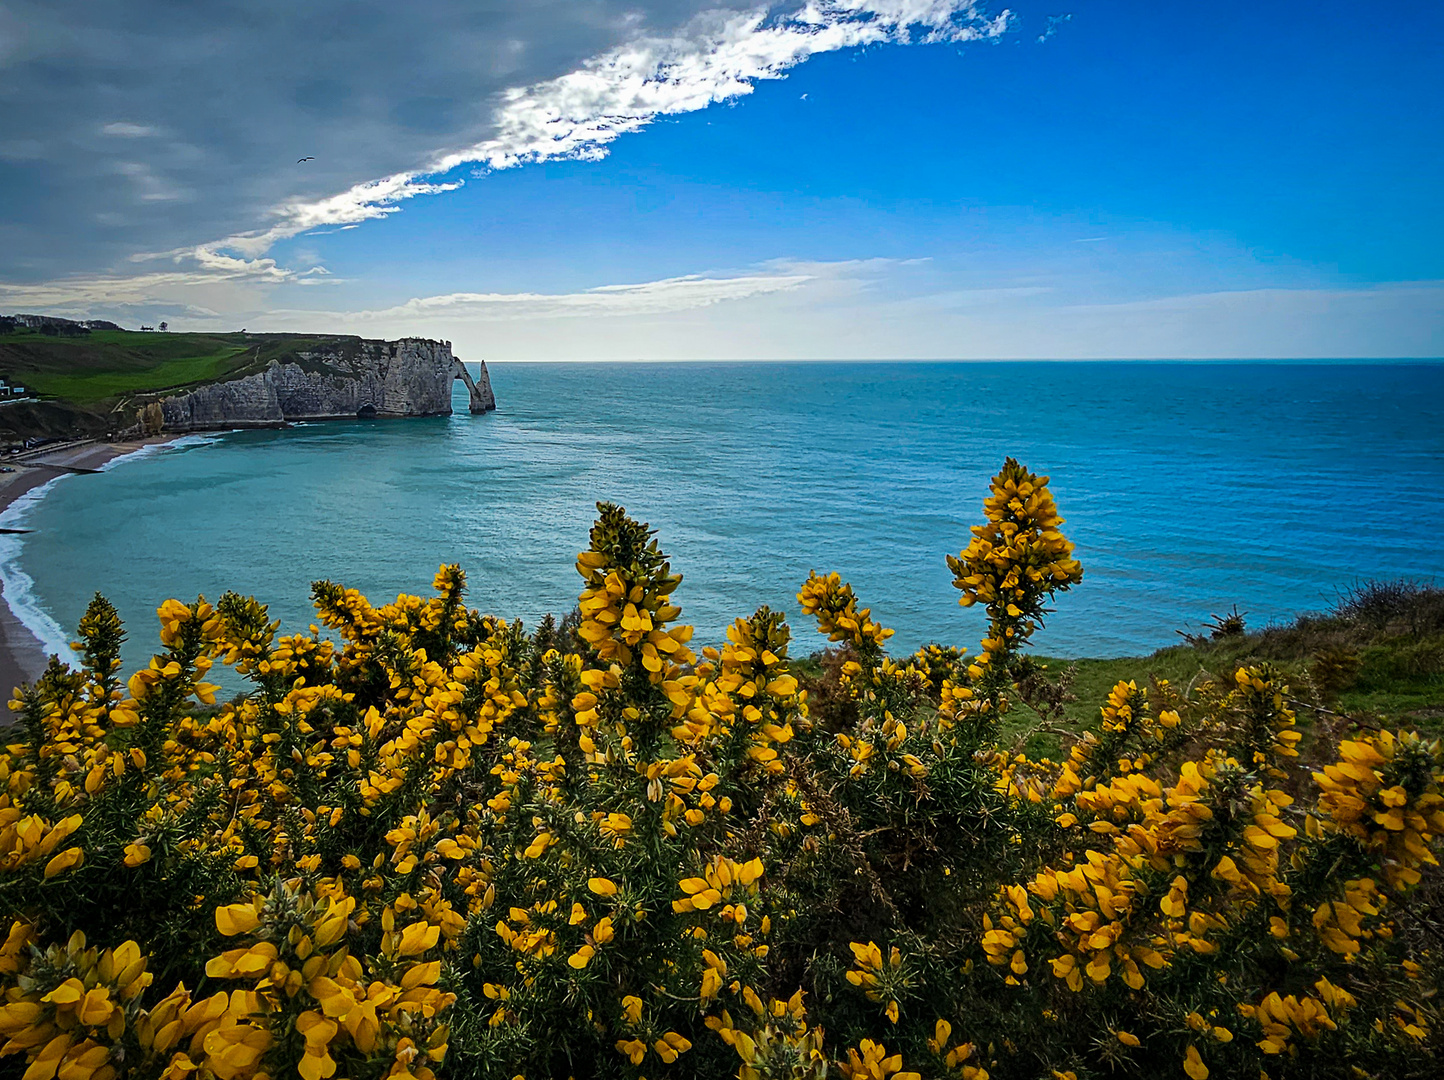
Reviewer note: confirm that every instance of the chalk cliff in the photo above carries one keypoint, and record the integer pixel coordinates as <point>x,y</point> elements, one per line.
<point>339,378</point>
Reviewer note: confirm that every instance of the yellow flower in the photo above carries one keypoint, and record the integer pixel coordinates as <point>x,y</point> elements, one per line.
<point>670,1046</point>
<point>632,1049</point>
<point>233,919</point>
<point>67,859</point>
<point>1193,1065</point>
<point>417,938</point>
<point>632,1008</point>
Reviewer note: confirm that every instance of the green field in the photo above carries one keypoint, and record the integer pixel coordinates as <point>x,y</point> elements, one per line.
<point>104,365</point>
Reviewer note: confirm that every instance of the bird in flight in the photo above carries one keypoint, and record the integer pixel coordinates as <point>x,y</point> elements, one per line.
<point>299,160</point>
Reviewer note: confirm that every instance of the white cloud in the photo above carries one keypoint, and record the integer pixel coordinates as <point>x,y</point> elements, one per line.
<point>659,297</point>
<point>364,202</point>
<point>165,288</point>
<point>954,299</point>
<point>124,130</point>
<point>718,56</point>
<point>577,83</point>
<point>866,312</point>
<point>149,187</point>
<point>1054,22</point>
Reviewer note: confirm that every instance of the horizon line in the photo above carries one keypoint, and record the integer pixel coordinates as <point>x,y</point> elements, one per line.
<point>987,360</point>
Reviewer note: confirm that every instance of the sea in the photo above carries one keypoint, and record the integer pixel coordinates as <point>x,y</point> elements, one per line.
<point>1188,488</point>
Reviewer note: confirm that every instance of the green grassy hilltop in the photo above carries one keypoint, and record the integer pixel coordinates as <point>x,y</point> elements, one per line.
<point>109,363</point>
<point>86,382</point>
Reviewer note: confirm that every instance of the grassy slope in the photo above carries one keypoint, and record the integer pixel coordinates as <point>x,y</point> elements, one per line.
<point>1377,660</point>
<point>106,365</point>
<point>1392,687</point>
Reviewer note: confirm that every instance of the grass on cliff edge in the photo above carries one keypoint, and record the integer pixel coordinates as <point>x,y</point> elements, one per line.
<point>1375,660</point>
<point>109,364</point>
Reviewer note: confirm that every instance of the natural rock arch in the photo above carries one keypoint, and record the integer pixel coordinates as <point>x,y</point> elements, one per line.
<point>482,399</point>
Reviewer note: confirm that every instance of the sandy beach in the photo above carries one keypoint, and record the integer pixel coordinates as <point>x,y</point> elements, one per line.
<point>22,658</point>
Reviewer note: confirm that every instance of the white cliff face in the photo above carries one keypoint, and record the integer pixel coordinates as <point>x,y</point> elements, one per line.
<point>348,379</point>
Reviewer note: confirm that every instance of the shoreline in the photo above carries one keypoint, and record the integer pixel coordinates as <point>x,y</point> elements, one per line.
<point>23,655</point>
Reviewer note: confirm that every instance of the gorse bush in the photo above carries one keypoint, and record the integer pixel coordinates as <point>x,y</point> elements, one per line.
<point>443,847</point>
<point>1402,606</point>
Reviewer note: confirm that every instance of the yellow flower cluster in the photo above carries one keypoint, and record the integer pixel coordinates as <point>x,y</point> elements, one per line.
<point>746,681</point>
<point>955,1059</point>
<point>778,1044</point>
<point>1287,1017</point>
<point>1018,549</point>
<point>724,883</point>
<point>1268,731</point>
<point>306,977</point>
<point>882,981</point>
<point>68,1017</point>
<point>829,600</point>
<point>1015,561</point>
<point>1086,910</point>
<point>871,1061</point>
<point>29,838</point>
<point>1340,922</point>
<point>1131,736</point>
<point>1386,793</point>
<point>627,602</point>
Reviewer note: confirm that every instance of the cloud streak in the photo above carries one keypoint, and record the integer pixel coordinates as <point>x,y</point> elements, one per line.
<point>718,57</point>
<point>82,294</point>
<point>123,130</point>
<point>664,296</point>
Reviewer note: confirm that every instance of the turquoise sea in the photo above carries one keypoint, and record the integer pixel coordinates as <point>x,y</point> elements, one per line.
<point>1188,487</point>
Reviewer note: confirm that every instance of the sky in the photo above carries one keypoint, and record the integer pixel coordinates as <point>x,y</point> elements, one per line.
<point>718,179</point>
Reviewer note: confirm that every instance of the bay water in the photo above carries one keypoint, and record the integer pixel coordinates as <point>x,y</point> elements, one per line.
<point>1188,487</point>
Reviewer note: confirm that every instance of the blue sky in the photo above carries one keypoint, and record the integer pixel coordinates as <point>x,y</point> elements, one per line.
<point>1145,180</point>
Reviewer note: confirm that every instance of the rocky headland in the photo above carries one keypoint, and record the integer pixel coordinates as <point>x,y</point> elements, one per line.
<point>65,379</point>
<point>340,379</point>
